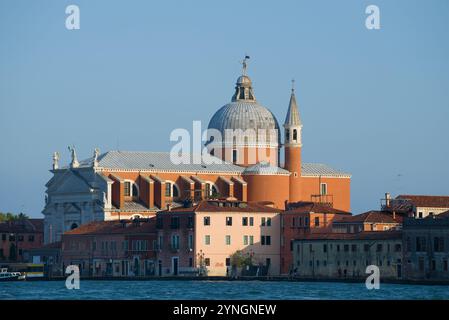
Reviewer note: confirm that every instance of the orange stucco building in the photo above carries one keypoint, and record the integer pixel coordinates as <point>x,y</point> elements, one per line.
<point>244,142</point>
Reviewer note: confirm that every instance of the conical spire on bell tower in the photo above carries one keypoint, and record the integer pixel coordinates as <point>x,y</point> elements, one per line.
<point>293,124</point>
<point>293,144</point>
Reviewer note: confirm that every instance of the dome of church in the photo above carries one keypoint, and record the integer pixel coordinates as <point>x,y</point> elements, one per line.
<point>244,112</point>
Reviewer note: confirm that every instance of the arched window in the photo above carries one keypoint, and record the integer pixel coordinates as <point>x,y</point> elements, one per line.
<point>295,135</point>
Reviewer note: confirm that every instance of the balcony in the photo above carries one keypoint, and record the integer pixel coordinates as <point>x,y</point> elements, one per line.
<point>327,199</point>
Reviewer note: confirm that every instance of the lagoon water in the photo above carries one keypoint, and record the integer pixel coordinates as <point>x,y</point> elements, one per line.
<point>223,290</point>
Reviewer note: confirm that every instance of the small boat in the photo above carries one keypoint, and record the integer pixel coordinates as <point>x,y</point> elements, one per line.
<point>11,276</point>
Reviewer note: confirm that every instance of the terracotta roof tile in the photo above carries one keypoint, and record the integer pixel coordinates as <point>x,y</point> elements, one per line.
<point>427,201</point>
<point>140,226</point>
<point>307,207</point>
<point>372,217</point>
<point>225,206</point>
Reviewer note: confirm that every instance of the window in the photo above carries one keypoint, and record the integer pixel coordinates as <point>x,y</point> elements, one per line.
<point>190,262</point>
<point>263,222</point>
<point>3,237</point>
<point>234,156</point>
<point>229,221</point>
<point>438,244</point>
<point>268,222</point>
<point>306,221</point>
<point>317,221</point>
<point>190,243</point>
<point>127,188</point>
<point>323,189</point>
<point>190,222</point>
<point>433,265</point>
<point>251,240</point>
<point>168,189</point>
<point>295,134</point>
<point>287,135</point>
<point>244,221</point>
<point>338,248</point>
<point>420,215</point>
<point>420,244</point>
<point>324,247</point>
<point>346,247</point>
<point>175,241</point>
<point>73,226</point>
<point>228,262</point>
<point>398,247</point>
<point>265,240</point>
<point>207,262</point>
<point>245,240</point>
<point>228,240</point>
<point>251,221</point>
<point>207,239</point>
<point>354,248</point>
<point>379,247</point>
<point>20,238</point>
<point>174,223</point>
<point>206,221</point>
<point>366,247</point>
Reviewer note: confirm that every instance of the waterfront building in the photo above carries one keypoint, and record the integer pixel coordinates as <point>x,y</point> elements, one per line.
<point>423,206</point>
<point>123,185</point>
<point>112,248</point>
<point>205,238</point>
<point>347,255</point>
<point>369,221</point>
<point>18,236</point>
<point>301,219</point>
<point>426,247</point>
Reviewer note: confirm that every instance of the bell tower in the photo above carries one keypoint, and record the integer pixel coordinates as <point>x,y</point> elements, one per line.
<point>293,144</point>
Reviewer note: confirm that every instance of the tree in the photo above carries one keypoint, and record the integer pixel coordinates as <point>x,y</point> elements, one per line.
<point>12,217</point>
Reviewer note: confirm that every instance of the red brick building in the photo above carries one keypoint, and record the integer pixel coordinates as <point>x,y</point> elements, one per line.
<point>18,236</point>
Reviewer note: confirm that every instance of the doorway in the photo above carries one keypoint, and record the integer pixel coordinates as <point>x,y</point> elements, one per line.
<point>175,261</point>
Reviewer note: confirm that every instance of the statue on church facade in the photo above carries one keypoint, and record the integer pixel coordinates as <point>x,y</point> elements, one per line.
<point>55,160</point>
<point>74,163</point>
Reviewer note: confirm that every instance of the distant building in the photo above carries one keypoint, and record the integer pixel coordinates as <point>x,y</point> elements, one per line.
<point>299,220</point>
<point>122,185</point>
<point>346,255</point>
<point>112,248</point>
<point>368,221</point>
<point>18,236</point>
<point>203,238</point>
<point>423,206</point>
<point>426,251</point>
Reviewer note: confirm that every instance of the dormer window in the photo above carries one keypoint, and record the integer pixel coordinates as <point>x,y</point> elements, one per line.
<point>130,189</point>
<point>171,189</point>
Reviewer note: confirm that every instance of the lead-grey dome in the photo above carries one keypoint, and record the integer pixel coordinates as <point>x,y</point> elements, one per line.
<point>244,112</point>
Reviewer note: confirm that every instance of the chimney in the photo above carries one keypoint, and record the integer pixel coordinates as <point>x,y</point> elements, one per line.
<point>387,199</point>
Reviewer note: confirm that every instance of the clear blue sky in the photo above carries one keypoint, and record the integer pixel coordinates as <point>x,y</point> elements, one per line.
<point>374,103</point>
